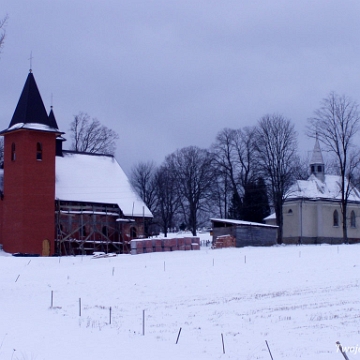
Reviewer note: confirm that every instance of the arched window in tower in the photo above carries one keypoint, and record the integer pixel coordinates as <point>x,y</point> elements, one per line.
<point>319,168</point>
<point>39,151</point>
<point>352,219</point>
<point>13,152</point>
<point>336,218</point>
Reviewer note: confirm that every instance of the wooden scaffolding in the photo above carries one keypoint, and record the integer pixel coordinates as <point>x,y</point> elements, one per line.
<point>83,228</point>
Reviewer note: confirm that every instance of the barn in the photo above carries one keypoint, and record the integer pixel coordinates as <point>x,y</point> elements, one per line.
<point>239,233</point>
<point>59,202</point>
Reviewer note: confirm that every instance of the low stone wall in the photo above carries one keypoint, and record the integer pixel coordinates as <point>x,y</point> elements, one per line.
<point>144,246</point>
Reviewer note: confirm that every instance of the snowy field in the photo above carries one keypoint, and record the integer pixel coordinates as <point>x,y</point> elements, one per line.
<point>301,300</point>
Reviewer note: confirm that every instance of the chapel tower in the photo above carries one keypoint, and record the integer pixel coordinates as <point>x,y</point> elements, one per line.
<point>317,166</point>
<point>28,199</point>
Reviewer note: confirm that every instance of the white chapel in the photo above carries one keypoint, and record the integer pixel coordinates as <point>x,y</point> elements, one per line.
<point>312,211</point>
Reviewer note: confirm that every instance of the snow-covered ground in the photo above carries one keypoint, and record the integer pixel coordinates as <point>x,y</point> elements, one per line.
<point>301,300</point>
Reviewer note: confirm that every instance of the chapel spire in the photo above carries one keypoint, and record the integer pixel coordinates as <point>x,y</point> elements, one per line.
<point>317,166</point>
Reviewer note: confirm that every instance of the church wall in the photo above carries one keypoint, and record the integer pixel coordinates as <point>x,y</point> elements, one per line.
<point>309,218</point>
<point>328,228</point>
<point>317,220</point>
<point>354,232</point>
<point>290,219</point>
<point>300,219</point>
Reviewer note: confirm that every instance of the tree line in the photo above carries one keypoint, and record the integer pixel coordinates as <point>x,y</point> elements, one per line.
<point>238,177</point>
<point>247,172</point>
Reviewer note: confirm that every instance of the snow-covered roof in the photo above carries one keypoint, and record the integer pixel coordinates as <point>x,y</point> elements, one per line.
<point>271,217</point>
<point>32,126</point>
<point>96,179</point>
<point>240,222</point>
<point>314,188</point>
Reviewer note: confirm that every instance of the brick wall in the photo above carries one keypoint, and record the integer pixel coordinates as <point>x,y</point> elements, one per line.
<point>29,191</point>
<point>224,241</point>
<point>143,246</point>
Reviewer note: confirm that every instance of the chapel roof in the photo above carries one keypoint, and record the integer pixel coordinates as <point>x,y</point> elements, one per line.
<point>315,189</point>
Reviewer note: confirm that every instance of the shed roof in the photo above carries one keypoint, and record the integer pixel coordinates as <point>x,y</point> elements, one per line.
<point>241,222</point>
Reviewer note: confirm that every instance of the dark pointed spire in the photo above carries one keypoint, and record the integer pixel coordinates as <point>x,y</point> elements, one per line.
<point>30,108</point>
<point>52,120</point>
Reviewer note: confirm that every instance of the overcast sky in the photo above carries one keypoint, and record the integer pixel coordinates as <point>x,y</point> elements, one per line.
<point>169,74</point>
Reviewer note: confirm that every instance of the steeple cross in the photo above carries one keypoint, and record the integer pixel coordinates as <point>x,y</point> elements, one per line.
<point>30,58</point>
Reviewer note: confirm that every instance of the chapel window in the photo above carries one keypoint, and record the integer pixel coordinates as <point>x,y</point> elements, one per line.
<point>319,169</point>
<point>352,219</point>
<point>39,151</point>
<point>312,168</point>
<point>336,218</point>
<point>13,153</point>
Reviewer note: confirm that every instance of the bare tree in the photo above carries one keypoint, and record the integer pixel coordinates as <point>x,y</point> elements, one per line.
<point>276,145</point>
<point>192,169</point>
<point>336,124</point>
<point>142,178</point>
<point>235,156</point>
<point>220,193</point>
<point>3,22</point>
<point>88,135</point>
<point>167,199</point>
<point>224,154</point>
<point>301,168</point>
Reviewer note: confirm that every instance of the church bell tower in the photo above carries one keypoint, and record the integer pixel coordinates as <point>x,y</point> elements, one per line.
<point>28,200</point>
<point>317,166</point>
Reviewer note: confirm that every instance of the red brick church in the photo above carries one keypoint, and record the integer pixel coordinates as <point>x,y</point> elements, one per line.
<point>46,207</point>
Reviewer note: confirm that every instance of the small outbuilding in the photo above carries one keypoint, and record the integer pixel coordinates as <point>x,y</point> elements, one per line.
<point>245,233</point>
